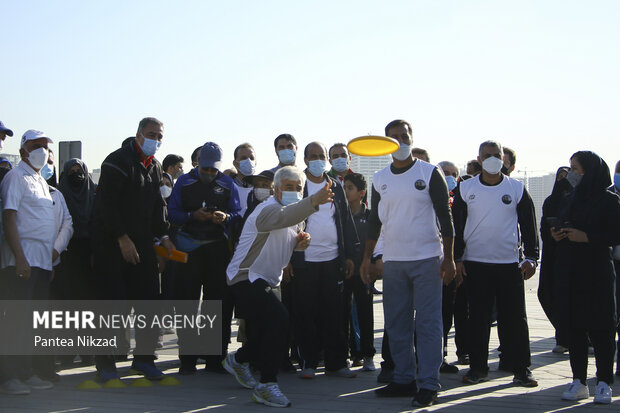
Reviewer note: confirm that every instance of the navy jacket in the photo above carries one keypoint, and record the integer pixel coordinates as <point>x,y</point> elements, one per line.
<point>190,194</point>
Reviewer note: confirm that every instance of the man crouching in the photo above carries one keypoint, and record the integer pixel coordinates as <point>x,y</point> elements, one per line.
<point>268,239</point>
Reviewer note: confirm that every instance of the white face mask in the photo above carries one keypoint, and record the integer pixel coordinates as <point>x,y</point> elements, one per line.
<point>402,153</point>
<point>38,158</point>
<point>262,193</point>
<point>165,191</point>
<point>492,165</point>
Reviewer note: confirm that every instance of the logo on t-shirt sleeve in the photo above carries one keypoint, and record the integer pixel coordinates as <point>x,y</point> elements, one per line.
<point>420,184</point>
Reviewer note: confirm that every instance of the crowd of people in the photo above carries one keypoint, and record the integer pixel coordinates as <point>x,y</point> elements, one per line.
<point>293,253</point>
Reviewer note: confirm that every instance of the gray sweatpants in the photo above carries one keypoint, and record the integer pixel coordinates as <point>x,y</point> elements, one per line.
<point>409,286</point>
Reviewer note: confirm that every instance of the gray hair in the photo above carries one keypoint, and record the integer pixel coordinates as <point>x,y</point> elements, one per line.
<point>447,163</point>
<point>148,121</point>
<point>491,144</point>
<point>288,173</point>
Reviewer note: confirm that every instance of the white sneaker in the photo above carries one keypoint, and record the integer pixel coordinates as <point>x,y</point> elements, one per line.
<point>559,349</point>
<point>603,393</point>
<point>369,364</point>
<point>14,386</point>
<point>576,391</point>
<point>36,383</point>
<point>241,371</point>
<point>270,395</point>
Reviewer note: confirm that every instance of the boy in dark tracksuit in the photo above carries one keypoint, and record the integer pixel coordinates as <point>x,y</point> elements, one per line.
<point>355,191</point>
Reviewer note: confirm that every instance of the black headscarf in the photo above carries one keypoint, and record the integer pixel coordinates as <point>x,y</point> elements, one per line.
<point>79,200</point>
<point>561,186</point>
<point>596,178</point>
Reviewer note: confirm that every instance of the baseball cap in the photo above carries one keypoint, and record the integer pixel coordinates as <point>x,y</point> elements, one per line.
<point>265,174</point>
<point>5,129</point>
<point>32,134</point>
<point>211,156</point>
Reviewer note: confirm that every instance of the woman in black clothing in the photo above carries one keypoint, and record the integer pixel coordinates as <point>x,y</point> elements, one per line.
<point>587,228</point>
<point>73,276</point>
<point>547,282</point>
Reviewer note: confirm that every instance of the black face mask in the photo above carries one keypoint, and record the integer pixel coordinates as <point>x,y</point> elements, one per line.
<point>206,178</point>
<point>76,179</point>
<point>564,186</point>
<point>505,170</point>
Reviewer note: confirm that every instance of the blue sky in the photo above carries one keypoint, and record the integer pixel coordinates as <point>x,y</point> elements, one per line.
<point>539,76</point>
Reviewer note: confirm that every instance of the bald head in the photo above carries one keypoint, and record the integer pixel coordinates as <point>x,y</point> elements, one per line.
<point>314,151</point>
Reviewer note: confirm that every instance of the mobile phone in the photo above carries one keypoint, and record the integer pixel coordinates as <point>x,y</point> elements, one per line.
<point>211,209</point>
<point>553,222</point>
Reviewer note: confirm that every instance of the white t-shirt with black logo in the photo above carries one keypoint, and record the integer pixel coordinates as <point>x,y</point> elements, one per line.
<point>406,211</point>
<point>322,229</point>
<point>491,231</point>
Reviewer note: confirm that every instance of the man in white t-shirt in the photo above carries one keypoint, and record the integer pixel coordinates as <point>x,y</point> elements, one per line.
<point>269,236</point>
<point>26,251</point>
<point>319,273</point>
<point>411,208</point>
<point>245,163</point>
<point>493,215</point>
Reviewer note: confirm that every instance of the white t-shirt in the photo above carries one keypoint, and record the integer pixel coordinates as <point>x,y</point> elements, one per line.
<point>64,223</point>
<point>322,229</point>
<point>409,224</point>
<point>243,197</point>
<point>491,232</point>
<point>263,254</point>
<point>25,191</point>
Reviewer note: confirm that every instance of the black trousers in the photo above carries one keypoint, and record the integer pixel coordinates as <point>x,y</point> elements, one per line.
<point>386,355</point>
<point>503,283</point>
<point>74,277</point>
<point>354,288</point>
<point>317,305</point>
<point>454,306</point>
<point>116,279</point>
<point>266,326</point>
<point>604,349</point>
<point>617,267</point>
<point>286,292</point>
<point>13,287</point>
<point>205,271</point>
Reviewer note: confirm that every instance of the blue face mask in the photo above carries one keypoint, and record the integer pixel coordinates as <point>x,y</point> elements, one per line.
<point>290,197</point>
<point>617,181</point>
<point>47,171</point>
<point>317,167</point>
<point>286,156</point>
<point>451,181</point>
<point>403,152</point>
<point>246,167</point>
<point>150,146</point>
<point>340,164</point>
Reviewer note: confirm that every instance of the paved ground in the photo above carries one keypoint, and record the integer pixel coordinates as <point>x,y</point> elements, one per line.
<point>220,393</point>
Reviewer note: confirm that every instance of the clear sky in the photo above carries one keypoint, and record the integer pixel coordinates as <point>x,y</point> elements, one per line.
<point>542,77</point>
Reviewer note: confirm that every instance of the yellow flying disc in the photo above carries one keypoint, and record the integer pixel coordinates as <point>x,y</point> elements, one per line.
<point>373,145</point>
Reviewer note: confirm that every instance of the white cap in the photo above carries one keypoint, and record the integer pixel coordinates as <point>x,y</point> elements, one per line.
<point>32,134</point>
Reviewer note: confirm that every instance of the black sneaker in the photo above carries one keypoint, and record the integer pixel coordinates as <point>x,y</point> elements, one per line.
<point>525,379</point>
<point>385,375</point>
<point>463,360</point>
<point>448,368</point>
<point>397,390</point>
<point>425,398</point>
<point>474,377</point>
<point>504,366</point>
<point>187,369</point>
